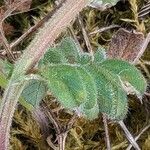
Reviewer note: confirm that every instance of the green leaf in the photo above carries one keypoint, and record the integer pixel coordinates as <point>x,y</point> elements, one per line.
<point>67,51</point>
<point>100,55</point>
<point>6,68</point>
<point>127,73</point>
<point>90,113</point>
<point>90,87</point>
<point>33,93</point>
<point>3,80</point>
<point>70,49</point>
<point>53,55</point>
<point>112,98</point>
<point>112,2</point>
<point>66,85</point>
<point>85,58</point>
<point>89,109</point>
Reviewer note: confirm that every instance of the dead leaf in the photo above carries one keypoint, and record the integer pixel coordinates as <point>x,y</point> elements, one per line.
<point>25,6</point>
<point>125,45</point>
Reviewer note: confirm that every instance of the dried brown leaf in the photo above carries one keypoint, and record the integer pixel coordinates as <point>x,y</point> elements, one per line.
<point>125,45</point>
<point>25,6</point>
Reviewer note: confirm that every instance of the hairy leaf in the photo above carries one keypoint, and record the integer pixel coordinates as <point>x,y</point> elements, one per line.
<point>3,80</point>
<point>70,49</point>
<point>100,55</point>
<point>6,68</point>
<point>90,113</point>
<point>127,73</point>
<point>112,98</point>
<point>102,3</point>
<point>91,86</point>
<point>65,83</point>
<point>33,93</point>
<point>53,55</point>
<point>65,52</point>
<point>85,58</point>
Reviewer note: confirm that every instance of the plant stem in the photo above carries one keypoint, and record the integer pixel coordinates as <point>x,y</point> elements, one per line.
<point>12,94</point>
<point>43,39</point>
<point>106,132</point>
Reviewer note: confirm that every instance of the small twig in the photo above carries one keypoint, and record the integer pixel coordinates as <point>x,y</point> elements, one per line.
<point>12,7</point>
<point>85,36</point>
<point>147,94</point>
<point>6,44</point>
<point>61,132</point>
<point>33,28</point>
<point>61,136</point>
<point>137,137</point>
<point>30,9</point>
<point>50,143</point>
<point>7,2</point>
<point>104,29</point>
<point>62,140</point>
<point>52,118</point>
<point>106,132</point>
<point>146,62</point>
<point>71,121</point>
<point>75,38</point>
<point>128,135</point>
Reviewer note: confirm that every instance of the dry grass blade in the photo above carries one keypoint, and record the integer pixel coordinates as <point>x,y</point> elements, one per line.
<point>61,131</point>
<point>144,10</point>
<point>6,44</point>
<point>128,135</point>
<point>137,137</point>
<point>104,29</point>
<point>85,36</point>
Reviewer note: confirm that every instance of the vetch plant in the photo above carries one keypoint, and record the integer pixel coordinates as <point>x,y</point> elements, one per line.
<point>77,81</point>
<point>87,86</point>
<point>82,84</point>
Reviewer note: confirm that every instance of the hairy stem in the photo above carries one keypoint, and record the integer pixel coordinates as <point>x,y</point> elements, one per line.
<point>12,93</point>
<point>106,132</point>
<point>43,39</point>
